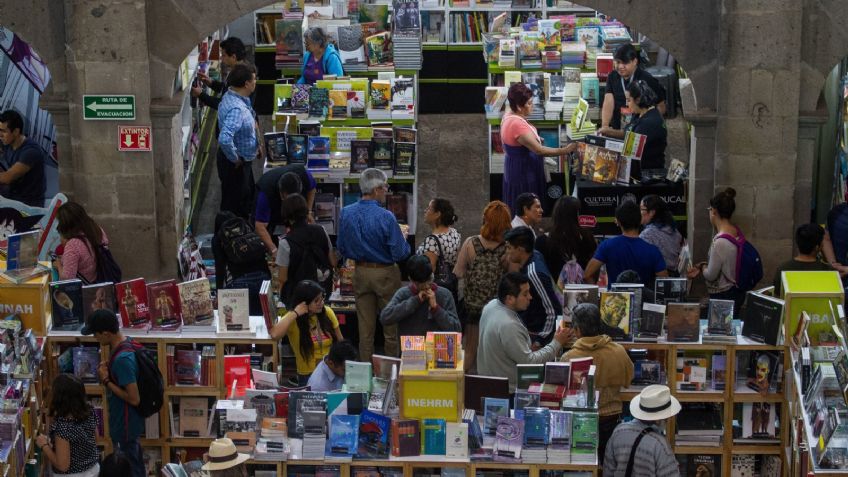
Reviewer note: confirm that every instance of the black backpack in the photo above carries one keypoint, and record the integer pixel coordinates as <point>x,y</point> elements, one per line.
<point>108,269</point>
<point>151,386</point>
<point>309,261</point>
<point>240,243</point>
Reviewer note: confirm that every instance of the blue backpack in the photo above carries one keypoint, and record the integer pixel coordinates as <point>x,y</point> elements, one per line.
<point>749,266</point>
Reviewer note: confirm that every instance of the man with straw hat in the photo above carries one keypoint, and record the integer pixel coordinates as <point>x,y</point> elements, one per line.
<point>638,448</point>
<point>224,460</point>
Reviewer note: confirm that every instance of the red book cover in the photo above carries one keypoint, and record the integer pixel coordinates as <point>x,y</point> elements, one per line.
<point>579,368</point>
<point>237,369</point>
<point>164,302</point>
<point>132,303</point>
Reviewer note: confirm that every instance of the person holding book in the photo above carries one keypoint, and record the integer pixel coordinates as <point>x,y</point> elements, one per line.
<point>272,188</point>
<point>78,233</point>
<point>233,52</point>
<point>248,271</point>
<point>320,57</point>
<point>504,340</point>
<point>297,257</point>
<point>479,267</point>
<point>24,159</point>
<point>224,460</point>
<point>639,448</point>
<point>808,239</point>
<point>443,242</point>
<point>627,251</point>
<point>119,377</point>
<point>329,375</point>
<point>719,270</point>
<point>660,230</point>
<point>613,367</point>
<point>528,211</point>
<point>422,305</point>
<point>370,235</point>
<point>646,120</point>
<point>541,314</point>
<point>311,327</point>
<point>71,448</point>
<point>524,165</point>
<point>237,140</point>
<point>614,112</point>
<point>566,240</point>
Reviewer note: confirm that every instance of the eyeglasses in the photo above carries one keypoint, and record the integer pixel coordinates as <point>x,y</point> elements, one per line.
<point>386,187</point>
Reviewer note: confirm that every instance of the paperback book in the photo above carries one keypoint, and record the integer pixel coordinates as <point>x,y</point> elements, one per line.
<point>164,298</point>
<point>433,436</point>
<point>762,371</point>
<point>649,326</point>
<point>233,310</point>
<point>720,317</point>
<point>406,438</point>
<point>360,155</point>
<point>670,290</point>
<point>196,304</point>
<point>67,304</point>
<point>132,302</point>
<point>763,319</point>
<point>99,296</point>
<point>22,250</point>
<point>343,439</point>
<point>615,313</point>
<point>296,145</point>
<point>374,430</point>
<point>509,438</point>
<point>381,153</point>
<point>86,361</point>
<point>683,321</point>
<point>493,408</point>
<point>456,440</point>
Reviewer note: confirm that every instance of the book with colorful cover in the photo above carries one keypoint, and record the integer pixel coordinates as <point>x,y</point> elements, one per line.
<point>237,370</point>
<point>404,158</point>
<point>86,360</point>
<point>318,153</point>
<point>537,422</point>
<point>378,47</point>
<point>378,14</point>
<point>433,436</point>
<point>319,102</point>
<point>22,250</point>
<point>300,97</point>
<point>343,439</point>
<point>719,371</point>
<point>132,302</point>
<point>615,313</point>
<point>67,304</point>
<point>446,349</point>
<point>374,432</point>
<point>99,296</point>
<point>275,148</point>
<point>187,367</point>
<point>683,320</point>
<point>720,317</point>
<point>344,402</point>
<point>360,155</point>
<point>579,368</point>
<point>196,303</point>
<point>164,299</point>
<point>560,429</point>
<point>382,153</point>
<point>493,408</point>
<point>584,435</point>
<point>606,166</point>
<point>406,437</point>
<point>509,438</point>
<point>381,94</point>
<point>691,373</point>
<point>234,309</point>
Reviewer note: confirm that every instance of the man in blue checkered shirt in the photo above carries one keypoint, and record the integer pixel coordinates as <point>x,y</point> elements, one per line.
<point>237,140</point>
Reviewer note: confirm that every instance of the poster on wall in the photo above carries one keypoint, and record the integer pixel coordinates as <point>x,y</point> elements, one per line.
<point>16,217</point>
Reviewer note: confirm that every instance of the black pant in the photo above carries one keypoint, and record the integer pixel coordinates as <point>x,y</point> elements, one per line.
<point>237,185</point>
<point>606,424</point>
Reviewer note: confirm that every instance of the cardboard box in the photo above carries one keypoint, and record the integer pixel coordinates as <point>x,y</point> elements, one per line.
<point>29,300</point>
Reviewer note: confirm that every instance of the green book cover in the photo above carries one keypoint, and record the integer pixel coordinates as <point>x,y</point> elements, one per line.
<point>433,436</point>
<point>584,433</point>
<point>528,374</point>
<point>357,377</point>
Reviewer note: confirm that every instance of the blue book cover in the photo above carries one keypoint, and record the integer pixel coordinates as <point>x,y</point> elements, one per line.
<point>492,409</point>
<point>536,426</point>
<point>373,436</point>
<point>318,153</point>
<point>343,440</point>
<point>22,250</point>
<point>433,436</point>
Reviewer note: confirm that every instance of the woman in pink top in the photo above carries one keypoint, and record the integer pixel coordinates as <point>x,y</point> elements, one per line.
<point>524,166</point>
<point>78,232</point>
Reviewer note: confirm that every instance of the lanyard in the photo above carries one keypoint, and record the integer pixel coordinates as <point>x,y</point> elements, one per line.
<point>624,88</point>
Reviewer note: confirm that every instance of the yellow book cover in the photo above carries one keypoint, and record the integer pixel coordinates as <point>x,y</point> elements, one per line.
<point>381,94</point>
<point>606,166</point>
<point>338,104</point>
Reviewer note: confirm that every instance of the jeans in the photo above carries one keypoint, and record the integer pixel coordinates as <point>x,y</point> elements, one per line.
<point>253,282</point>
<point>132,451</point>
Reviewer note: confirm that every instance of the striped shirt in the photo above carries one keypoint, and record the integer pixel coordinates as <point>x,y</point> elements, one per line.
<point>540,316</point>
<point>653,458</point>
<point>237,138</point>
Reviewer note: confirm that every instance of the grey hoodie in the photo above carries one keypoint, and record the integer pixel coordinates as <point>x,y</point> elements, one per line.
<point>414,317</point>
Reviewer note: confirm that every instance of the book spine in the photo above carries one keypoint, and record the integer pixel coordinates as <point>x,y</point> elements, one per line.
<point>170,364</point>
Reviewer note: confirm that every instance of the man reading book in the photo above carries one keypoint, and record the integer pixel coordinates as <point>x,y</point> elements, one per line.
<point>329,375</point>
<point>613,367</point>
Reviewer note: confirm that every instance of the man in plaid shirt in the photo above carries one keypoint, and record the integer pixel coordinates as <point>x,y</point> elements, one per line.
<point>237,140</point>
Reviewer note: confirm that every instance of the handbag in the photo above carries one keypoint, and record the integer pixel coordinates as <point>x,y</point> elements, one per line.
<point>443,275</point>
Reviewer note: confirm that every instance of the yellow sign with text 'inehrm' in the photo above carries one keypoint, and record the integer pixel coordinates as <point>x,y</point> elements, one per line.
<point>430,399</point>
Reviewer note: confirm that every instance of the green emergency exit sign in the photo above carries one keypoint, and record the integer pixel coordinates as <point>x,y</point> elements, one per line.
<point>108,106</point>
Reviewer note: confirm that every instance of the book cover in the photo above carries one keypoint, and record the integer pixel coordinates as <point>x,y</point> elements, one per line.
<point>615,313</point>
<point>477,387</point>
<point>509,438</point>
<point>758,420</point>
<point>445,349</point>
<point>318,153</point>
<point>289,37</point>
<point>378,48</point>
<point>22,250</point>
<point>343,439</point>
<point>67,304</point>
<point>237,370</point>
<point>300,97</point>
<point>187,367</point>
<point>523,399</point>
<point>376,14</point>
<point>691,373</point>
<point>194,416</point>
<point>433,436</point>
<point>132,302</point>
<point>537,426</point>
<point>456,440</point>
<point>404,158</point>
<point>86,360</point>
<point>275,148</point>
<point>360,155</point>
<point>670,290</point>
<point>381,94</point>
<point>527,374</point>
<point>406,437</point>
<point>762,369</point>
<point>584,434</point>
<point>650,324</point>
<point>338,104</point>
<point>720,317</point>
<point>382,153</point>
<point>398,205</point>
<point>556,372</point>
<point>299,403</point>
<point>763,319</point>
<point>164,299</point>
<point>196,302</point>
<point>403,94</point>
<point>719,371</point>
<point>560,429</point>
<point>356,104</point>
<point>374,430</point>
<point>405,134</point>
<point>704,465</point>
<point>99,296</point>
<point>233,309</point>
<point>357,376</point>
<point>319,102</point>
<point>606,166</point>
<point>683,321</point>
<point>647,372</point>
<point>493,408</point>
<point>351,46</point>
<point>579,368</point>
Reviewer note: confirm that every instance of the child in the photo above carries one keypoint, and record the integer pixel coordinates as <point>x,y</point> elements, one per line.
<point>71,448</point>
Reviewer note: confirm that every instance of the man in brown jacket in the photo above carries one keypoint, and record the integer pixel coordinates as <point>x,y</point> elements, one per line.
<point>613,368</point>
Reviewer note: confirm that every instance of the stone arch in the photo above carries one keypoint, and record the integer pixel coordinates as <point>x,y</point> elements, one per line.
<point>824,44</point>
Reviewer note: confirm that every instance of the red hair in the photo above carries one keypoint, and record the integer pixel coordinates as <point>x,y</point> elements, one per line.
<point>496,221</point>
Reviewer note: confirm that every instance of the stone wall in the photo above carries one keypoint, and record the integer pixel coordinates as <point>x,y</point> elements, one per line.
<point>757,68</point>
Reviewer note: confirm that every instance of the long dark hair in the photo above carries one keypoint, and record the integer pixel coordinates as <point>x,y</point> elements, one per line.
<point>566,234</point>
<point>67,398</point>
<point>662,214</point>
<point>75,222</point>
<point>306,291</point>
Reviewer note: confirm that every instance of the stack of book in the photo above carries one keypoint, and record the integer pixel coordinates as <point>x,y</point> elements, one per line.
<point>536,435</point>
<point>413,353</point>
<point>573,54</point>
<point>289,40</point>
<point>554,97</point>
<point>495,98</point>
<point>584,438</point>
<point>720,327</point>
<point>614,36</point>
<point>571,95</point>
<point>699,425</point>
<point>559,447</point>
<point>314,434</point>
<point>406,34</point>
<point>507,55</point>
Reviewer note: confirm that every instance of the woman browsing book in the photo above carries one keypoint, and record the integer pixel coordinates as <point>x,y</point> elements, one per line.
<point>524,166</point>
<point>71,447</point>
<point>320,58</point>
<point>78,232</point>
<point>311,326</point>
<point>647,120</point>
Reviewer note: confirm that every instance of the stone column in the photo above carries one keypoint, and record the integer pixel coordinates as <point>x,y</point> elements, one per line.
<point>701,182</point>
<point>809,126</point>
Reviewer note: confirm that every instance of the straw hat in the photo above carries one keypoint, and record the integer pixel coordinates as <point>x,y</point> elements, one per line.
<point>654,403</point>
<point>223,455</point>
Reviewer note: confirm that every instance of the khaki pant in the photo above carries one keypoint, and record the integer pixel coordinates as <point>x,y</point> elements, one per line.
<point>374,287</point>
